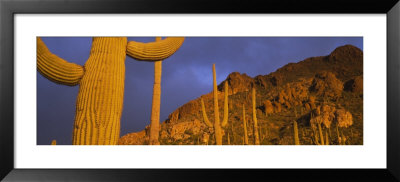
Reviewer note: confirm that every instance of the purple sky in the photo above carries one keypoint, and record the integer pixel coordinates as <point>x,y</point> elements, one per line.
<point>185,75</point>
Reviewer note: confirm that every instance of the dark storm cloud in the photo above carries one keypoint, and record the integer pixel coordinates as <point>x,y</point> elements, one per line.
<point>185,76</point>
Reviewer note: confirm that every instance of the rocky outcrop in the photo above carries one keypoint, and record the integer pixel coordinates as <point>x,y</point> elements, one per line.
<point>354,85</point>
<point>237,83</point>
<point>326,84</point>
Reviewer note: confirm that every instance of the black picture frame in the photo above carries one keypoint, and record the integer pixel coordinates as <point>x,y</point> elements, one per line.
<point>9,8</point>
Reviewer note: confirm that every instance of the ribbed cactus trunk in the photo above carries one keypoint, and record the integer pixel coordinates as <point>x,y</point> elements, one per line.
<point>256,137</point>
<point>296,133</point>
<point>245,137</point>
<point>101,92</point>
<point>155,107</point>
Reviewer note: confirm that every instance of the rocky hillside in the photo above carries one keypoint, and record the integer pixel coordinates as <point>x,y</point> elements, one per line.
<point>324,95</point>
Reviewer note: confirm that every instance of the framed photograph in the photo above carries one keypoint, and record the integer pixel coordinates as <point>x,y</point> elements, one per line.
<point>119,91</point>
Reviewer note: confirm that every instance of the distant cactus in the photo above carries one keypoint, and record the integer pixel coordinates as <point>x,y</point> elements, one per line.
<point>217,125</point>
<point>326,138</point>
<point>245,137</point>
<point>100,98</point>
<point>296,133</point>
<point>229,140</point>
<point>256,137</point>
<point>54,142</point>
<point>316,123</point>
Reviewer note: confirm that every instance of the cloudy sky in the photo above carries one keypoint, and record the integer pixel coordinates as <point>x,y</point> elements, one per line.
<point>185,75</point>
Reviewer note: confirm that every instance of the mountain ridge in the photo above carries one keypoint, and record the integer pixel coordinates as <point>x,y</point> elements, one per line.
<point>288,92</point>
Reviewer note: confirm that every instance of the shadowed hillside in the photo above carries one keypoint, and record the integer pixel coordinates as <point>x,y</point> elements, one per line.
<point>322,96</point>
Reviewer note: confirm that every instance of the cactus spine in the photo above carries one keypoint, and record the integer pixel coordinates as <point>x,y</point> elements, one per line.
<point>245,138</point>
<point>256,137</point>
<point>155,107</point>
<point>217,124</point>
<point>101,83</point>
<point>296,133</point>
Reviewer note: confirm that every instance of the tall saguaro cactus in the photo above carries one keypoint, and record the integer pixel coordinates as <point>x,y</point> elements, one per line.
<point>101,82</point>
<point>246,139</point>
<point>217,125</point>
<point>256,137</point>
<point>155,107</point>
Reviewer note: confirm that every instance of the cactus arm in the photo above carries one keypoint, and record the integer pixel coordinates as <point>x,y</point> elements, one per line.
<point>155,108</point>
<point>154,51</point>
<point>56,69</point>
<point>226,111</point>
<point>296,133</point>
<point>205,118</point>
<point>256,137</point>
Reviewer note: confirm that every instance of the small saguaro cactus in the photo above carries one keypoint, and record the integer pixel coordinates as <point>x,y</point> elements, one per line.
<point>326,138</point>
<point>229,140</point>
<point>101,82</point>
<point>217,125</point>
<point>245,137</point>
<point>296,133</point>
<point>256,137</point>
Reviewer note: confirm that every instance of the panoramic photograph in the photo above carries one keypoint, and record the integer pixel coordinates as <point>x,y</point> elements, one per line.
<point>199,91</point>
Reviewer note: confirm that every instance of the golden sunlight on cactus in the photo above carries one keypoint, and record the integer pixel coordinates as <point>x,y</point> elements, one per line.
<point>155,107</point>
<point>154,51</point>
<point>256,137</point>
<point>56,69</point>
<point>217,125</point>
<point>245,137</point>
<point>101,83</point>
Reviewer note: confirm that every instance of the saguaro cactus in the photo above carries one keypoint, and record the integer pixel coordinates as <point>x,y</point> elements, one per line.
<point>256,137</point>
<point>245,137</point>
<point>217,125</point>
<point>101,81</point>
<point>326,138</point>
<point>155,107</point>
